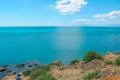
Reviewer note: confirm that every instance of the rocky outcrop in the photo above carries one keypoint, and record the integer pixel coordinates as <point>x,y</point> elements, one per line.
<point>12,73</point>
<point>110,56</point>
<point>58,62</point>
<point>4,65</point>
<point>3,69</point>
<point>93,65</point>
<point>20,65</point>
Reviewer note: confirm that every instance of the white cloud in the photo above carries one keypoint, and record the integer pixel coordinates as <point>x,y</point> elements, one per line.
<point>112,15</point>
<point>69,6</point>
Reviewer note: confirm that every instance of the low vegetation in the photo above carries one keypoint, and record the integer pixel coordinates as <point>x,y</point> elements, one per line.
<point>118,61</point>
<point>74,61</point>
<point>26,73</point>
<point>92,75</point>
<point>108,62</point>
<point>91,55</point>
<point>45,76</point>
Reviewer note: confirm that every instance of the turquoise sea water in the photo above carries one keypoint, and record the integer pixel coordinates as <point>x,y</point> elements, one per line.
<point>46,44</point>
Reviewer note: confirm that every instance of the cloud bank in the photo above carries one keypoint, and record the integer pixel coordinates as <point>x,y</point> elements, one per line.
<point>69,6</point>
<point>112,14</point>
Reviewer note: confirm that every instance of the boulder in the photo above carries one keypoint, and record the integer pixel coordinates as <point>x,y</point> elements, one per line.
<point>30,65</point>
<point>4,65</point>
<point>2,69</point>
<point>20,65</point>
<point>107,72</point>
<point>94,64</point>
<point>58,62</point>
<point>12,73</point>
<point>35,64</point>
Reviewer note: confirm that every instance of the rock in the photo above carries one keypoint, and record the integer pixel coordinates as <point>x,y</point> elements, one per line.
<point>35,64</point>
<point>58,62</point>
<point>58,68</point>
<point>4,65</point>
<point>30,65</point>
<point>106,73</point>
<point>20,65</point>
<point>93,65</point>
<point>9,70</point>
<point>2,69</point>
<point>12,73</point>
<point>110,56</point>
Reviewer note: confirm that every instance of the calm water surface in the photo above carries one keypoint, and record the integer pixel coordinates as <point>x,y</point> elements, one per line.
<point>46,44</point>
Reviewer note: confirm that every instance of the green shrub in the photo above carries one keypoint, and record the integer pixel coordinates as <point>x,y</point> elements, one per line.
<point>118,61</point>
<point>91,55</point>
<point>26,73</point>
<point>108,62</point>
<point>39,70</point>
<point>46,76</point>
<point>35,73</point>
<point>92,75</point>
<point>74,61</point>
<point>44,67</point>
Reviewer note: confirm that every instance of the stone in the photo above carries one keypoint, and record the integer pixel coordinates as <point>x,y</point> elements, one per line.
<point>20,65</point>
<point>12,73</point>
<point>2,69</point>
<point>93,65</point>
<point>106,73</point>
<point>4,65</point>
<point>35,64</point>
<point>58,62</point>
<point>30,65</point>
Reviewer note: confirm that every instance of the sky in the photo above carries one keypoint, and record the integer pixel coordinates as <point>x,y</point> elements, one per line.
<point>59,12</point>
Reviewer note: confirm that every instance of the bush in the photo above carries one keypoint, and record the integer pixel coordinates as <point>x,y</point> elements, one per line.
<point>91,55</point>
<point>118,61</point>
<point>74,61</point>
<point>35,73</point>
<point>108,62</point>
<point>92,75</point>
<point>39,70</point>
<point>26,73</point>
<point>46,76</point>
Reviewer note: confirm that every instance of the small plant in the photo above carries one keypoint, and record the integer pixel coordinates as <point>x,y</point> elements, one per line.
<point>74,61</point>
<point>108,62</point>
<point>91,55</point>
<point>26,73</point>
<point>118,61</point>
<point>92,75</point>
<point>46,76</point>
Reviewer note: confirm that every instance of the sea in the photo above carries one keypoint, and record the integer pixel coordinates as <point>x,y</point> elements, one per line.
<point>19,44</point>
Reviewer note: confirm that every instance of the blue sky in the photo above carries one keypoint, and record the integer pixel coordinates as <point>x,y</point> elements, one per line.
<point>59,12</point>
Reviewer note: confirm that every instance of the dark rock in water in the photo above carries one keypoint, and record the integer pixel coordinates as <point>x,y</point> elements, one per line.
<point>35,64</point>
<point>20,65</point>
<point>9,70</point>
<point>12,73</point>
<point>4,65</point>
<point>93,65</point>
<point>30,65</point>
<point>2,69</point>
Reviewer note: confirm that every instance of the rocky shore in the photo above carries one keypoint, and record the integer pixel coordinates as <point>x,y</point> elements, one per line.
<point>104,68</point>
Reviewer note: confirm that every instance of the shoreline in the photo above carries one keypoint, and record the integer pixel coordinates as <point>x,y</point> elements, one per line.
<point>79,67</point>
